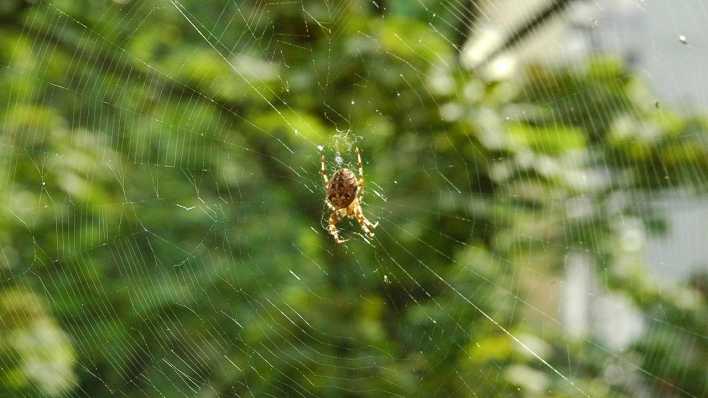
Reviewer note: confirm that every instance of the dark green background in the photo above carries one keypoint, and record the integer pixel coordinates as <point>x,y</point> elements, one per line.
<point>115,119</point>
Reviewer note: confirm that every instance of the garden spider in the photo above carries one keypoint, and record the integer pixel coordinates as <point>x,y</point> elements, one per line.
<point>344,196</point>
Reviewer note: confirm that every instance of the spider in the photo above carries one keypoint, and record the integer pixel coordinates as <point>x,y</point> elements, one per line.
<point>344,196</point>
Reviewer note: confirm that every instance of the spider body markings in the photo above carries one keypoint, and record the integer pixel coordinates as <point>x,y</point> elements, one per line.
<point>344,196</point>
<point>342,188</point>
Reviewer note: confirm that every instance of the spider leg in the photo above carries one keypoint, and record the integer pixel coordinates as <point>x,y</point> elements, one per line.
<point>332,227</point>
<point>360,165</point>
<point>366,225</point>
<point>323,168</point>
<point>358,214</point>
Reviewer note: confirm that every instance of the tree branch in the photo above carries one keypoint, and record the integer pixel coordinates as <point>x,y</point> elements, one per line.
<point>522,32</point>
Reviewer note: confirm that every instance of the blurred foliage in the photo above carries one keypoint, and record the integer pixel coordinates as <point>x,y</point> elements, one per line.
<point>162,233</point>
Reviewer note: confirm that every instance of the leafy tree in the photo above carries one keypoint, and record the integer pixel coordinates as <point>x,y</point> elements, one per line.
<point>162,232</point>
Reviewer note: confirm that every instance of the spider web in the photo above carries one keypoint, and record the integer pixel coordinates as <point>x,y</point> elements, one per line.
<point>164,232</point>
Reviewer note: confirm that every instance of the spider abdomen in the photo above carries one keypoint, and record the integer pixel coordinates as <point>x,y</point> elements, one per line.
<point>342,188</point>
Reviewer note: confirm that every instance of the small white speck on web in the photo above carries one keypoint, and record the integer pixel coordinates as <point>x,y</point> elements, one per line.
<point>683,39</point>
<point>338,159</point>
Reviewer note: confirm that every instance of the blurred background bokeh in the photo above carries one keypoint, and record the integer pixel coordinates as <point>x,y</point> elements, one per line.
<point>538,170</point>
